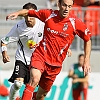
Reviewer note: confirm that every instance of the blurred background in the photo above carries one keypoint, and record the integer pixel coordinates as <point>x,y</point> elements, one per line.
<point>89,12</point>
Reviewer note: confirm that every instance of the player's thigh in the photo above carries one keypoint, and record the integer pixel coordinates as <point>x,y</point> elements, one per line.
<point>35,76</point>
<point>37,68</point>
<point>35,73</point>
<point>49,76</point>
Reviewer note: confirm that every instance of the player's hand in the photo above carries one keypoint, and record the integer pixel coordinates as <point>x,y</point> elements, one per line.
<point>6,59</point>
<point>75,76</point>
<point>12,16</point>
<point>86,67</point>
<point>69,53</point>
<point>75,80</point>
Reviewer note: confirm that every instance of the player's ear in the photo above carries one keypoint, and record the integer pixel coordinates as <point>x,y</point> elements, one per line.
<point>58,4</point>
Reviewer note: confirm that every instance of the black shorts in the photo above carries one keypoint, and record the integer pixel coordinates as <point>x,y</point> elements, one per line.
<point>20,71</point>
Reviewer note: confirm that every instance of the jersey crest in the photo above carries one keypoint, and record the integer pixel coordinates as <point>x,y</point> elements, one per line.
<point>65,27</point>
<point>39,34</point>
<point>6,38</point>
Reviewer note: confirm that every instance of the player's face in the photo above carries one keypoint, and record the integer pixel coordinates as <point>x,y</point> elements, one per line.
<point>30,21</point>
<point>81,60</point>
<point>64,8</point>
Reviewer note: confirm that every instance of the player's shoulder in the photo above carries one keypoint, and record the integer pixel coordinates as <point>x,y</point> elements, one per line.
<point>75,17</point>
<point>21,22</point>
<point>21,25</point>
<point>39,21</point>
<point>72,15</point>
<point>76,65</point>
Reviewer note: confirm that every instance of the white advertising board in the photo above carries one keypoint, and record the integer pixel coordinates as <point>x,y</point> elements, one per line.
<point>61,89</point>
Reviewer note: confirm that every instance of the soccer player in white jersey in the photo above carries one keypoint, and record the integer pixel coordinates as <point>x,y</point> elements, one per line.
<point>27,33</point>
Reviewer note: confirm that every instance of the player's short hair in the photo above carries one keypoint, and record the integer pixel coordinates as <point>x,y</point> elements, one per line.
<point>29,6</point>
<point>80,55</point>
<point>61,1</point>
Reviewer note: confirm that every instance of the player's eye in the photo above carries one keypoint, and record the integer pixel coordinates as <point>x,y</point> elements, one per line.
<point>69,6</point>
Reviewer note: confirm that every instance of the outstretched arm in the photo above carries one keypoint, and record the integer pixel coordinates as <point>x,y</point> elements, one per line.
<point>14,15</point>
<point>87,52</point>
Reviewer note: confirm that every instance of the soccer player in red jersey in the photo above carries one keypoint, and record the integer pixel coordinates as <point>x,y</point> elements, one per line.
<point>59,32</point>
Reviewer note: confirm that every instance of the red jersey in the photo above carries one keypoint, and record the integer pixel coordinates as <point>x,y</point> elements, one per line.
<point>58,35</point>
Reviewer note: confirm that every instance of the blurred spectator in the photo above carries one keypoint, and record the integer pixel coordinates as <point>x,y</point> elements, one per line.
<point>80,2</point>
<point>84,3</point>
<point>94,2</point>
<point>51,4</point>
<point>3,89</point>
<point>79,82</point>
<point>92,19</point>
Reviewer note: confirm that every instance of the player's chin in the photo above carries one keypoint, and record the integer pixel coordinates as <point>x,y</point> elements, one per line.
<point>65,15</point>
<point>30,24</point>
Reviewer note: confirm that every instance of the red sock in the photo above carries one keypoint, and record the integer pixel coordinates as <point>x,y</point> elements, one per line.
<point>34,95</point>
<point>85,93</point>
<point>28,92</point>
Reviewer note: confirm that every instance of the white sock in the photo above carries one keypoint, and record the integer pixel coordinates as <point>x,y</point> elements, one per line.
<point>14,91</point>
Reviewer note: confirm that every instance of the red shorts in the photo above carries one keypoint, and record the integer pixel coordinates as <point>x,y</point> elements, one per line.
<point>49,72</point>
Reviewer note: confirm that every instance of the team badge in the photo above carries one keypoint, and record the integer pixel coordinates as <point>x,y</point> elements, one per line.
<point>39,34</point>
<point>30,44</point>
<point>65,27</point>
<point>7,38</point>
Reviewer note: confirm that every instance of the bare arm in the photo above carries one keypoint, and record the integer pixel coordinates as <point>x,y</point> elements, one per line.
<point>87,52</point>
<point>81,80</point>
<point>14,15</point>
<point>4,53</point>
<point>70,74</point>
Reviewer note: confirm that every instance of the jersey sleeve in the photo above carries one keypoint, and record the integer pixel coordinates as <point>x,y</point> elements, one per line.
<point>71,67</point>
<point>82,31</point>
<point>12,36</point>
<point>41,14</point>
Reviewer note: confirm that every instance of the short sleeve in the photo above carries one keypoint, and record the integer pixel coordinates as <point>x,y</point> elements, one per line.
<point>12,36</point>
<point>82,31</point>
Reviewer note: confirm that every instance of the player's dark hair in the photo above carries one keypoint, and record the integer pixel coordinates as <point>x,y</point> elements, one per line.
<point>61,1</point>
<point>80,55</point>
<point>29,6</point>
